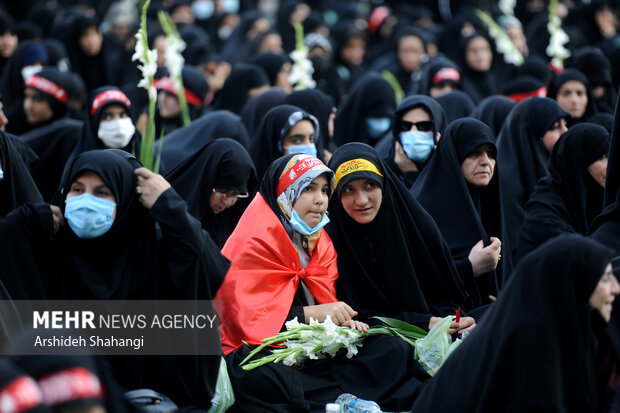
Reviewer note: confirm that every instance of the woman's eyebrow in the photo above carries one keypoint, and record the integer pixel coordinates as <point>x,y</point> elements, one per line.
<point>299,135</point>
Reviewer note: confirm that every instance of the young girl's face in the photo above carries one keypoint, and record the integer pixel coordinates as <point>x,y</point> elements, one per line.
<point>312,203</point>
<point>361,199</point>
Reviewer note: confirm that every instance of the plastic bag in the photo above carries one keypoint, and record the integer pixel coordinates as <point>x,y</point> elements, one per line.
<point>433,350</point>
<point>224,396</point>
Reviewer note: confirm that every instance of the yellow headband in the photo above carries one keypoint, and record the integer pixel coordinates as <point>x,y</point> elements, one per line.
<point>354,165</point>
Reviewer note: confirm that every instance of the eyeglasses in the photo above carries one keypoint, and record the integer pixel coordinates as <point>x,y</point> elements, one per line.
<point>229,194</point>
<point>423,125</point>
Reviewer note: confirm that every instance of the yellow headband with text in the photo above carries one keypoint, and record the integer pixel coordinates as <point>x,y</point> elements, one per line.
<point>354,165</point>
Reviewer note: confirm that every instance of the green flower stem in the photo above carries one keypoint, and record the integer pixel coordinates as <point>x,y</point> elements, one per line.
<point>147,147</point>
<point>171,31</point>
<point>299,36</point>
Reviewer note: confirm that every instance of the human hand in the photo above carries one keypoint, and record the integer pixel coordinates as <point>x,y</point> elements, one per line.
<point>484,259</point>
<point>402,160</point>
<point>454,326</point>
<point>339,312</point>
<point>217,79</point>
<point>492,298</point>
<point>150,186</point>
<point>466,324</point>
<point>57,217</point>
<point>357,325</point>
<point>327,155</point>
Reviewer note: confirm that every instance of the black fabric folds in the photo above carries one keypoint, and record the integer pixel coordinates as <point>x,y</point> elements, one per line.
<point>54,144</point>
<point>612,181</point>
<point>457,104</point>
<point>222,164</point>
<point>187,141</point>
<point>493,111</point>
<point>16,185</point>
<point>256,107</point>
<point>523,157</point>
<point>538,341</point>
<point>568,199</point>
<point>465,214</point>
<point>399,264</point>
<point>241,80</point>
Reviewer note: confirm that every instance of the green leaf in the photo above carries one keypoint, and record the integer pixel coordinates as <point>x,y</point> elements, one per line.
<point>399,94</point>
<point>401,325</point>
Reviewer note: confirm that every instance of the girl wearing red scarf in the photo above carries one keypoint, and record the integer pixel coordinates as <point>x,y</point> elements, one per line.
<point>283,265</point>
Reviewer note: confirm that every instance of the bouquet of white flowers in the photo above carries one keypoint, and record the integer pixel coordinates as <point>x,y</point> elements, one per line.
<point>318,340</point>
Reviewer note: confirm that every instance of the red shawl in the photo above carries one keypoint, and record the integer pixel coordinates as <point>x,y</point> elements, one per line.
<point>264,274</point>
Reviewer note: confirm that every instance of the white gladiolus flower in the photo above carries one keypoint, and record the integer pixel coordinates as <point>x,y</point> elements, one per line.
<point>558,38</point>
<point>503,43</point>
<point>317,340</point>
<point>291,324</point>
<point>298,55</point>
<point>174,58</point>
<point>302,69</point>
<point>507,6</point>
<point>148,58</point>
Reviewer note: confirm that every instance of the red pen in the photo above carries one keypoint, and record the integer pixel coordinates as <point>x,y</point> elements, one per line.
<point>457,317</point>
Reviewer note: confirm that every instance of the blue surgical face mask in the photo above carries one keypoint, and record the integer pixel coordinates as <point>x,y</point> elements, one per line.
<point>301,225</point>
<point>309,149</point>
<point>203,10</point>
<point>230,6</point>
<point>417,145</point>
<point>89,216</point>
<point>378,126</point>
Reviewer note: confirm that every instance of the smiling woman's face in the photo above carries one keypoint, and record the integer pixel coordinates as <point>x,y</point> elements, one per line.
<point>361,199</point>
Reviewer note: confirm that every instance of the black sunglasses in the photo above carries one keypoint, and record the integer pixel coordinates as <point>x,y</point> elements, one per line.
<point>423,125</point>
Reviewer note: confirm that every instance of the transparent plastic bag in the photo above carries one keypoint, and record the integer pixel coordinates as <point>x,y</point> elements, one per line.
<point>433,350</point>
<point>224,396</point>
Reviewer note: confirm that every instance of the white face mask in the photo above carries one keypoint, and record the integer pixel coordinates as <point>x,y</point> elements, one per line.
<point>28,71</point>
<point>116,133</point>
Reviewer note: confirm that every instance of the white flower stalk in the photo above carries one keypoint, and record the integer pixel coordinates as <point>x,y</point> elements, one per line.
<point>175,61</point>
<point>502,42</point>
<point>507,7</point>
<point>558,38</point>
<point>148,59</point>
<point>302,69</point>
<point>316,341</point>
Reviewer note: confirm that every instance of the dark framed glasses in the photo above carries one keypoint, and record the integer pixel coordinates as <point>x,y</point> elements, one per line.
<point>422,126</point>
